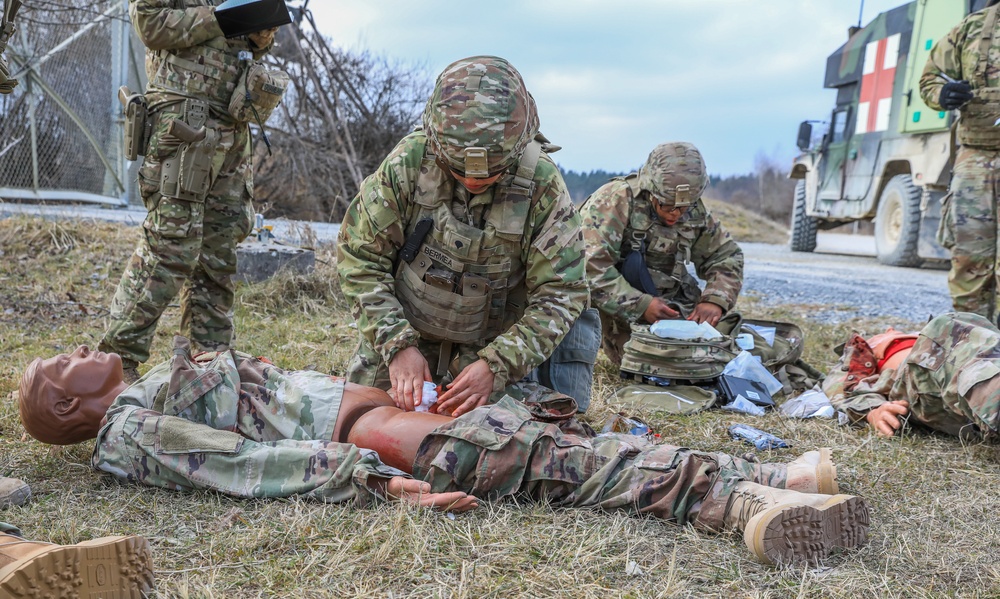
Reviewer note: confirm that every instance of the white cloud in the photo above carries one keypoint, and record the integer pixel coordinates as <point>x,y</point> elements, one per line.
<point>613,79</point>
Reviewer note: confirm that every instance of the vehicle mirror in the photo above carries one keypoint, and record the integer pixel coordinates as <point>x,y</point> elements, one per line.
<point>805,136</point>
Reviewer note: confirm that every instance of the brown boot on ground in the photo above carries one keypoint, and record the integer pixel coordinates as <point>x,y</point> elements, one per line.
<point>783,527</point>
<point>119,567</point>
<point>13,492</point>
<point>813,472</point>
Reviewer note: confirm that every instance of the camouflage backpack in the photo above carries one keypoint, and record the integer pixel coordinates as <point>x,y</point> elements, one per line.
<point>646,354</point>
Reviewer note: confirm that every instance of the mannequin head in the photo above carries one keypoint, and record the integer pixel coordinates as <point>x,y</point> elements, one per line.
<point>64,398</point>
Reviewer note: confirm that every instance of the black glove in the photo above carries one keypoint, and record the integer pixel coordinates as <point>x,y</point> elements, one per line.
<point>955,94</point>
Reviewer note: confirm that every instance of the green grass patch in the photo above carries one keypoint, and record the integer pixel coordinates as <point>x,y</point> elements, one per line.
<point>934,501</point>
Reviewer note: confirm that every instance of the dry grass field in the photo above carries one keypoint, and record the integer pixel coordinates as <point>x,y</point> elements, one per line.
<point>935,502</point>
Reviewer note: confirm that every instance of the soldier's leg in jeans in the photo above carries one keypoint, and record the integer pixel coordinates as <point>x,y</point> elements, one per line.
<point>570,368</point>
<point>207,298</point>
<point>614,333</point>
<point>972,222</point>
<point>163,260</point>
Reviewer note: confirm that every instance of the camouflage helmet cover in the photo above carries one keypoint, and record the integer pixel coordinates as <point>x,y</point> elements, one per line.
<point>480,105</point>
<point>674,174</point>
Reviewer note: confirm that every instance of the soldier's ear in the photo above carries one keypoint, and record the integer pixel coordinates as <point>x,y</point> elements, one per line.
<point>67,406</point>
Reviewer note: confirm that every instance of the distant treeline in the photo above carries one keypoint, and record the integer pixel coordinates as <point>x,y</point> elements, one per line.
<point>767,191</point>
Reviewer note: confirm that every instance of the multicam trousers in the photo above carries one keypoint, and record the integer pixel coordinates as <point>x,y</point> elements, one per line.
<point>187,247</point>
<point>969,230</point>
<point>499,450</point>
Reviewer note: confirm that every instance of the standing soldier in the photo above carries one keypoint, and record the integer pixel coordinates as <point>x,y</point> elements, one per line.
<point>642,231</point>
<point>462,254</point>
<point>963,72</point>
<point>6,31</point>
<point>196,179</point>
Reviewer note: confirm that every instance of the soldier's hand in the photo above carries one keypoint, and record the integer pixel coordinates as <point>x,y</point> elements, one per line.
<point>407,373</point>
<point>706,312</point>
<point>416,492</point>
<point>955,94</point>
<point>659,310</point>
<point>263,39</point>
<point>886,419</point>
<point>470,389</point>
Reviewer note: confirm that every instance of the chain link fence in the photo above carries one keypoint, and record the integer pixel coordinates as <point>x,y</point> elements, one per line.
<point>61,129</point>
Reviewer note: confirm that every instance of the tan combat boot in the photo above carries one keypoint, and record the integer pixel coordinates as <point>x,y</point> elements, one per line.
<point>119,567</point>
<point>782,526</point>
<point>13,492</point>
<point>811,472</point>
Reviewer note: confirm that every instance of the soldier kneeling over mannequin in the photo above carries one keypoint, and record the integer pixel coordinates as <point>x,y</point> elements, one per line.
<point>240,425</point>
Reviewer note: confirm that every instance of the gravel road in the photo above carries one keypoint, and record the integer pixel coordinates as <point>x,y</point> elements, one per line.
<point>844,286</point>
<point>840,279</point>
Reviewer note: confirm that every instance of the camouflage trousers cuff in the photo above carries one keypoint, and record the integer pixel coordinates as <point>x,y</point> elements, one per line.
<point>712,511</point>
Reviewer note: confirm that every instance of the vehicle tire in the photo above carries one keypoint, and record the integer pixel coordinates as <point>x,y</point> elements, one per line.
<point>897,223</point>
<point>803,225</point>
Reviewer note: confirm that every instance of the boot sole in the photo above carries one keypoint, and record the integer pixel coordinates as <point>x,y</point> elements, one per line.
<point>106,568</point>
<point>826,473</point>
<point>787,534</point>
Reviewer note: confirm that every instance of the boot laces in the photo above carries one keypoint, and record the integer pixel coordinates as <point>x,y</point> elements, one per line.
<point>753,504</point>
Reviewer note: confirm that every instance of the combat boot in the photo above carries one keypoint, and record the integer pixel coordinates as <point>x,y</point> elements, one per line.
<point>811,472</point>
<point>13,492</point>
<point>118,567</point>
<point>782,526</point>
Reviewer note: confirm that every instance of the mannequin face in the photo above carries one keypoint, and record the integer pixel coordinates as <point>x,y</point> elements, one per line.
<point>84,372</point>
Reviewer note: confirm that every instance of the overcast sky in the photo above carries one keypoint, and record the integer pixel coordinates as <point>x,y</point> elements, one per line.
<point>614,78</point>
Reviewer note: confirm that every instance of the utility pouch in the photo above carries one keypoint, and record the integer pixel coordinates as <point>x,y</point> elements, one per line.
<point>186,174</point>
<point>138,125</point>
<point>258,92</point>
<point>980,117</point>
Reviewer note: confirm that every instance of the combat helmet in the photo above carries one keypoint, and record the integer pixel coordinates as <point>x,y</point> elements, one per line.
<point>674,174</point>
<point>480,116</point>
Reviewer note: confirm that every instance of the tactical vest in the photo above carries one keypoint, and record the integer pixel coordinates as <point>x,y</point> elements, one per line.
<point>466,284</point>
<point>207,71</point>
<point>668,248</point>
<point>977,125</point>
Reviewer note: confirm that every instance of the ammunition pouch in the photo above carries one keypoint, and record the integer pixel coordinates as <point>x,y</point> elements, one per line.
<point>138,126</point>
<point>978,125</point>
<point>257,93</point>
<point>442,305</point>
<point>186,175</point>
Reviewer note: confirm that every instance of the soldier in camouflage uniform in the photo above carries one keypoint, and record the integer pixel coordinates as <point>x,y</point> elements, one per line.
<point>949,381</point>
<point>963,72</point>
<point>240,425</point>
<point>659,212</point>
<point>7,29</point>
<point>462,255</point>
<point>190,234</point>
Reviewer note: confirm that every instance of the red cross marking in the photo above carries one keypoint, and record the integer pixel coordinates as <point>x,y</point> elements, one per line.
<point>877,80</point>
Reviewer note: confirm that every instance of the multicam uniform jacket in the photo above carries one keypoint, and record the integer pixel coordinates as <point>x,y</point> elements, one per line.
<point>616,213</point>
<point>236,424</point>
<point>547,287</point>
<point>950,378</point>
